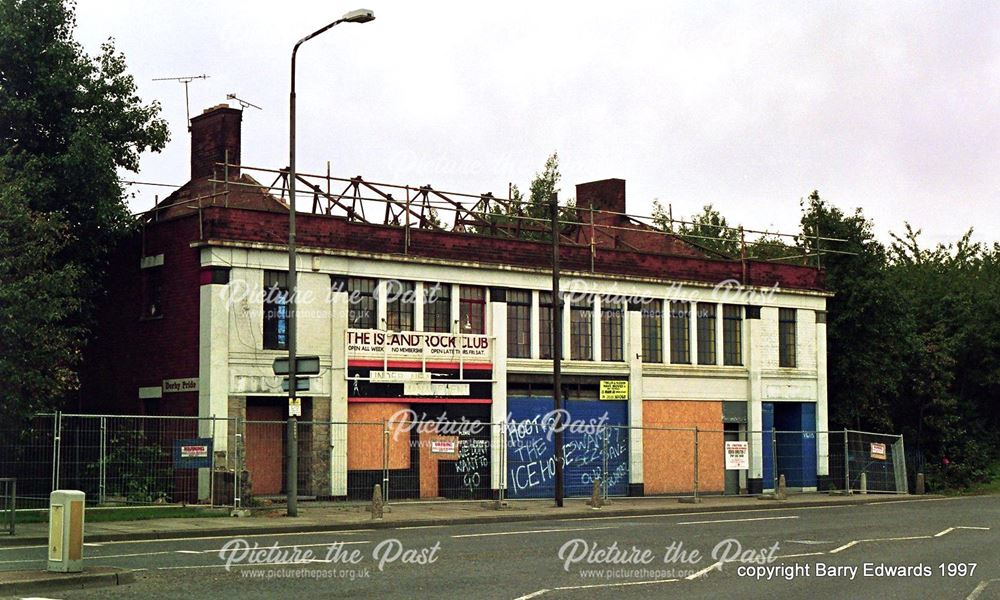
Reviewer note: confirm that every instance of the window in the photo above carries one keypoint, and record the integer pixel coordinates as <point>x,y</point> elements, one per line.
<point>399,305</point>
<point>680,332</point>
<point>732,335</point>
<point>275,310</point>
<point>706,333</point>
<point>786,337</point>
<point>546,310</point>
<point>472,309</point>
<point>437,307</point>
<point>152,293</point>
<point>652,331</point>
<point>362,294</point>
<point>581,329</point>
<point>518,324</point>
<point>612,331</point>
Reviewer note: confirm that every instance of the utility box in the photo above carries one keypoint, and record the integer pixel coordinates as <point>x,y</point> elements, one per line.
<point>66,531</point>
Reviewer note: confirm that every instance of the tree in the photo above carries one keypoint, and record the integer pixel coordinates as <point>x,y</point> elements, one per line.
<point>531,215</point>
<point>709,229</point>
<point>68,123</point>
<point>39,345</point>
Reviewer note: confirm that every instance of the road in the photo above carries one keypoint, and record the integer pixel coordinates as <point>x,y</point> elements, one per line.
<point>820,552</point>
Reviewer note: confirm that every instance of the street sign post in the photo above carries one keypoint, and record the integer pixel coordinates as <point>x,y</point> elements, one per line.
<point>304,365</point>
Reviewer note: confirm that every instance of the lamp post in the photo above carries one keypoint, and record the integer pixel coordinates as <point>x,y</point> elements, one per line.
<point>292,482</point>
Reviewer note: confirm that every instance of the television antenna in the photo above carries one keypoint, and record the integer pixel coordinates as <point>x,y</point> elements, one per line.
<point>185,80</point>
<point>243,103</point>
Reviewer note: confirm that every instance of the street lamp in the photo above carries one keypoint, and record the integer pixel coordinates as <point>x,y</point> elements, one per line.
<point>292,483</point>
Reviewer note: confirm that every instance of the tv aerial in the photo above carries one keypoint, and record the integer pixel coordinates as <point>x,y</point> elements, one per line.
<point>185,80</point>
<point>243,103</point>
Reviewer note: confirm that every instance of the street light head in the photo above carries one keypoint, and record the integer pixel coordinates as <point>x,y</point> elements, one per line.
<point>361,15</point>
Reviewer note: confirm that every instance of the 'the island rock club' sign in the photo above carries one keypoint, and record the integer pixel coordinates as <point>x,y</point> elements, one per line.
<point>415,345</point>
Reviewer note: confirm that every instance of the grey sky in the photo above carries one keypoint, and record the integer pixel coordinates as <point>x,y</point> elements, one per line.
<point>749,106</point>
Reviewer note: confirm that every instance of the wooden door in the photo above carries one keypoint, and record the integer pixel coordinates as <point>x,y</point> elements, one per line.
<point>265,449</point>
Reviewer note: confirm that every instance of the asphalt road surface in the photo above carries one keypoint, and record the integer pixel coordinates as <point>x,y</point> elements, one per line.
<point>939,548</point>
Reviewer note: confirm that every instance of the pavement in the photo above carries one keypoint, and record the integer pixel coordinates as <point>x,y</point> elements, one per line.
<point>333,517</point>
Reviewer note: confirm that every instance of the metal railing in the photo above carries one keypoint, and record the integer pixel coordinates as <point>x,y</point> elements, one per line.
<point>8,502</point>
<point>235,462</point>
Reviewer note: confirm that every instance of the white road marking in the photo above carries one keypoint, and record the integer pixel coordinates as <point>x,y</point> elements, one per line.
<point>844,547</point>
<point>807,542</point>
<point>940,533</point>
<point>469,535</point>
<point>898,539</point>
<point>800,555</point>
<point>704,571</point>
<point>423,527</point>
<point>594,586</point>
<point>736,520</point>
<point>621,584</point>
<point>188,551</point>
<point>531,595</point>
<point>979,588</point>
<point>976,528</point>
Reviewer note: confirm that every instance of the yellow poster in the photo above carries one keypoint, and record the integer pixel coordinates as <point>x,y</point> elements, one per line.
<point>614,389</point>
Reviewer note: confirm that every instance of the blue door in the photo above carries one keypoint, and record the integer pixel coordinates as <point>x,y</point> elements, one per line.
<point>767,451</point>
<point>596,433</point>
<point>794,440</point>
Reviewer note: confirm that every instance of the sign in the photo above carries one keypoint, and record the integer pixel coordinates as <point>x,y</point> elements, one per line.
<point>418,345</point>
<point>304,365</point>
<point>398,376</point>
<point>614,389</point>
<point>737,456</point>
<point>188,384</point>
<point>295,407</point>
<point>194,453</point>
<point>878,451</point>
<point>419,388</point>
<point>301,384</point>
<point>443,447</point>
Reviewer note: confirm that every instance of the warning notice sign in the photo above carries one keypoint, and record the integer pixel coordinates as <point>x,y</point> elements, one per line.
<point>737,455</point>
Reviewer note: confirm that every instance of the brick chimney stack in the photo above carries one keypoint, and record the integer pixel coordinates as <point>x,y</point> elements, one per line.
<point>605,195</point>
<point>213,132</point>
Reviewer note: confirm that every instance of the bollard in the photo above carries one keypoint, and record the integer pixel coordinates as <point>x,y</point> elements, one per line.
<point>595,495</point>
<point>66,531</point>
<point>781,493</point>
<point>921,489</point>
<point>864,483</point>
<point>377,506</point>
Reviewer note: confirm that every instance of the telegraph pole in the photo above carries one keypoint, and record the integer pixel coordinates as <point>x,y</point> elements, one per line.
<point>557,351</point>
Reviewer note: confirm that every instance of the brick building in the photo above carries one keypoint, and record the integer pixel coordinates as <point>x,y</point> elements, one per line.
<point>452,324</point>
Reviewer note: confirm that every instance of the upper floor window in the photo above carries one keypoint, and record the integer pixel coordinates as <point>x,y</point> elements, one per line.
<point>152,293</point>
<point>652,331</point>
<point>362,296</point>
<point>612,331</point>
<point>437,307</point>
<point>518,324</point>
<point>546,310</point>
<point>275,310</point>
<point>400,304</point>
<point>472,309</point>
<point>680,332</point>
<point>786,337</point>
<point>706,333</point>
<point>732,334</point>
<point>581,329</point>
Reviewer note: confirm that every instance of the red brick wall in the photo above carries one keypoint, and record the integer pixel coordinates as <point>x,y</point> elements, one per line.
<point>335,232</point>
<point>127,352</point>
